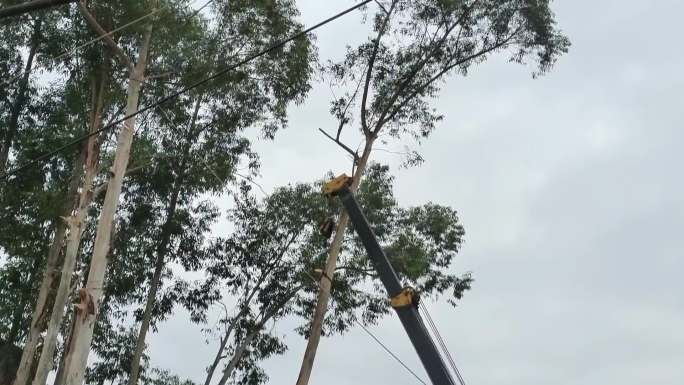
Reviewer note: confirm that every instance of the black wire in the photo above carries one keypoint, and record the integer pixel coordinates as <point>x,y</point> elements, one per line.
<point>441,342</point>
<point>175,94</point>
<point>390,352</point>
<point>375,338</point>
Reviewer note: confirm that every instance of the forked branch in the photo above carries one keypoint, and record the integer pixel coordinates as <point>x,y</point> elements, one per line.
<point>353,153</point>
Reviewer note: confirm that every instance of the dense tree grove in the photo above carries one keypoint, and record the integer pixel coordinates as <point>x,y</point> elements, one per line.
<point>103,241</point>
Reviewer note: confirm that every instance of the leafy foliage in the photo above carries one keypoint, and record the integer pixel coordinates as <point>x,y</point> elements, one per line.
<point>418,44</point>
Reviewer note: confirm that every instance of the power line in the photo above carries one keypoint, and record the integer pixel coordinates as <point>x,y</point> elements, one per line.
<point>175,94</point>
<point>72,51</point>
<point>141,18</point>
<point>376,339</point>
<point>390,352</point>
<point>441,342</point>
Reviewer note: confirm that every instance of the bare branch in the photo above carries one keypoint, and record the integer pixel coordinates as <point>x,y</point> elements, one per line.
<point>344,146</point>
<point>92,22</point>
<point>382,7</point>
<point>252,182</point>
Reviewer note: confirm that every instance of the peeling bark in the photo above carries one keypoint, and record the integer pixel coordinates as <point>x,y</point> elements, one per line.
<point>41,311</point>
<point>76,222</point>
<point>76,357</point>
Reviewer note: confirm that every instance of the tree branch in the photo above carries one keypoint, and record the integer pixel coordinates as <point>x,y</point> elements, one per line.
<point>346,108</point>
<point>419,66</point>
<point>369,71</point>
<point>382,7</point>
<point>92,22</point>
<point>344,146</point>
<point>446,69</point>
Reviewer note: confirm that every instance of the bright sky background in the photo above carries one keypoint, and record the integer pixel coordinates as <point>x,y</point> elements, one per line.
<point>570,191</point>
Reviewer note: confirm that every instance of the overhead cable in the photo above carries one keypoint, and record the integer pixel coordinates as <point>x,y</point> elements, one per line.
<point>376,339</point>
<point>441,343</point>
<point>175,94</point>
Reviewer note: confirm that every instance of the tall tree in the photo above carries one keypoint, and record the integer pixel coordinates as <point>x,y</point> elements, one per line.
<point>202,143</point>
<point>76,355</point>
<point>416,45</point>
<point>271,259</point>
<point>33,202</point>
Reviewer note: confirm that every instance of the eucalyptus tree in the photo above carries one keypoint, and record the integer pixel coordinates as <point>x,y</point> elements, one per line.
<point>34,200</point>
<point>77,351</point>
<point>200,135</point>
<point>271,261</point>
<point>221,111</point>
<point>87,92</point>
<point>414,47</point>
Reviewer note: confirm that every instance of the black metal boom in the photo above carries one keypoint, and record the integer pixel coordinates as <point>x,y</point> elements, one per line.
<point>403,299</point>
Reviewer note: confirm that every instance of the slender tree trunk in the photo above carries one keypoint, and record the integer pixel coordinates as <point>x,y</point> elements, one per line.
<point>17,315</point>
<point>231,327</point>
<point>77,222</point>
<point>41,311</point>
<point>217,358</point>
<point>18,105</point>
<point>76,357</point>
<point>8,357</point>
<point>242,348</point>
<point>325,283</point>
<point>154,287</point>
<point>162,249</point>
<point>239,352</point>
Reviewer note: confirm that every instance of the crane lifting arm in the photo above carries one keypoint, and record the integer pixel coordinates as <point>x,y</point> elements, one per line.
<point>404,300</point>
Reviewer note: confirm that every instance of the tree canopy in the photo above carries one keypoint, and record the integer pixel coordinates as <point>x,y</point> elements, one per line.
<point>107,239</point>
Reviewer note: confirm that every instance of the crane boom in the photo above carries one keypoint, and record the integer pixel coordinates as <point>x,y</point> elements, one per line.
<point>404,300</point>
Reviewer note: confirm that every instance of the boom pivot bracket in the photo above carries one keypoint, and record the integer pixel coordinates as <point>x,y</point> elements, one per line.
<point>331,188</point>
<point>407,297</point>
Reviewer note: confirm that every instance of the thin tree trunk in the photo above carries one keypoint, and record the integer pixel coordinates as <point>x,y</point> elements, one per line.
<point>242,348</point>
<point>84,321</point>
<point>77,223</point>
<point>231,327</point>
<point>239,352</point>
<point>162,249</point>
<point>218,357</point>
<point>154,287</point>
<point>325,283</point>
<point>41,311</point>
<point>18,105</point>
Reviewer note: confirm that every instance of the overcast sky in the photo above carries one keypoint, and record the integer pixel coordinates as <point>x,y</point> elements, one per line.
<point>570,190</point>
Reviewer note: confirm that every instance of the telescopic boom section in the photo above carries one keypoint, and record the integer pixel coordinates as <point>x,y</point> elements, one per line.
<point>404,300</point>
